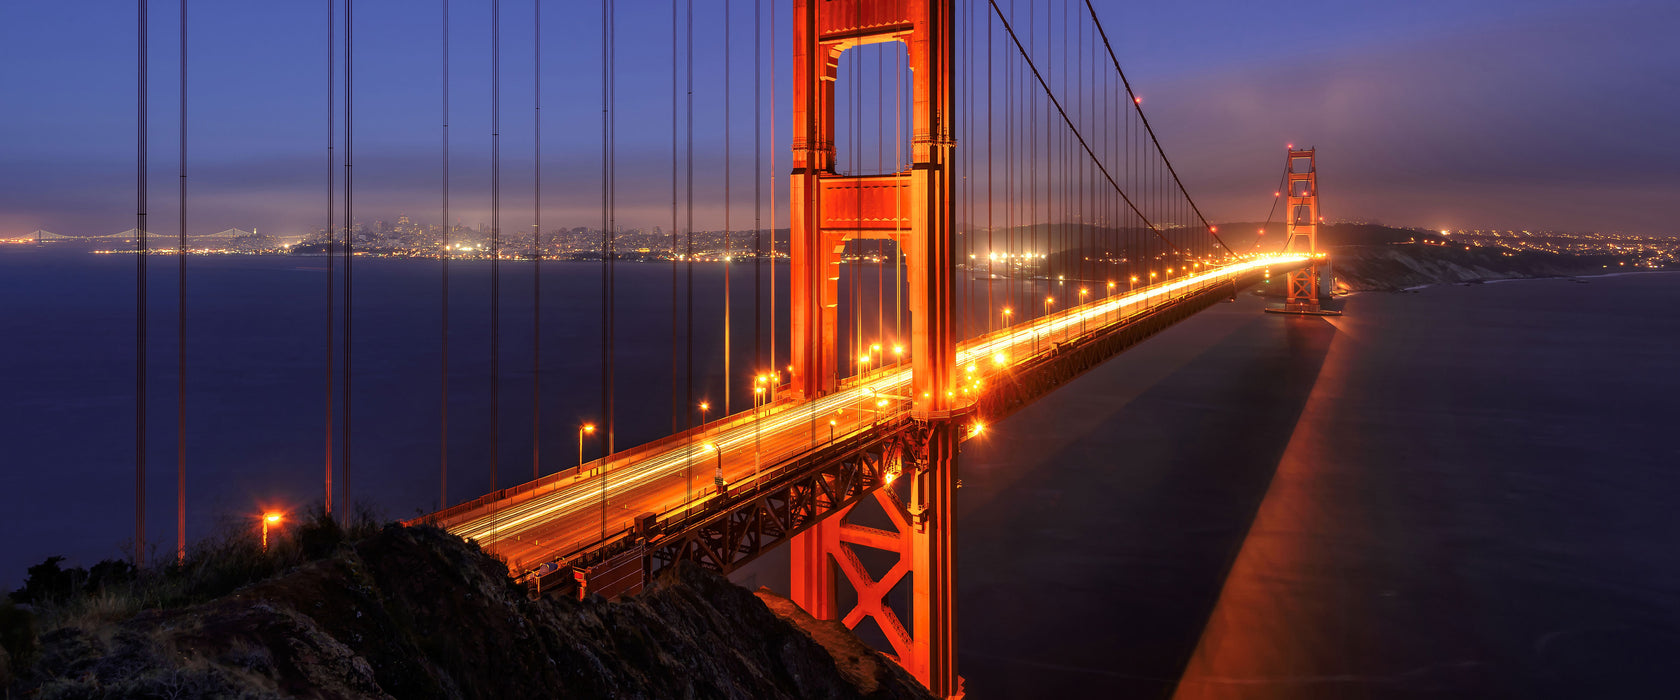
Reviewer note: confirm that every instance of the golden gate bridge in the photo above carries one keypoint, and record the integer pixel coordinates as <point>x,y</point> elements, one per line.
<point>1015,142</point>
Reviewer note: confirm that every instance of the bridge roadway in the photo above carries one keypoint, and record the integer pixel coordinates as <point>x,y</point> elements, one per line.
<point>561,514</point>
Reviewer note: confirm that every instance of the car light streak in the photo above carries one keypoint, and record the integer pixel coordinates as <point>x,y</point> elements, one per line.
<point>515,520</point>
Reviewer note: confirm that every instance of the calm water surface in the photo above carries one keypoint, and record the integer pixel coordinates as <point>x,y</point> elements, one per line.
<point>1462,492</point>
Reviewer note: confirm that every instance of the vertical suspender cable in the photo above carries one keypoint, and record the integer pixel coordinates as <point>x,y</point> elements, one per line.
<point>758,194</point>
<point>772,176</point>
<point>1009,177</point>
<point>899,54</point>
<point>608,285</point>
<point>495,240</point>
<point>688,228</point>
<point>676,417</point>
<point>536,246</point>
<point>881,161</point>
<point>970,164</point>
<point>1032,164</point>
<point>181,323</point>
<point>332,167</point>
<point>726,202</point>
<point>443,305</point>
<point>349,241</point>
<point>1103,34</point>
<point>140,303</point>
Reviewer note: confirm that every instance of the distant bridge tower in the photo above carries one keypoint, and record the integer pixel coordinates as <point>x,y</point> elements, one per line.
<point>1301,229</point>
<point>915,209</point>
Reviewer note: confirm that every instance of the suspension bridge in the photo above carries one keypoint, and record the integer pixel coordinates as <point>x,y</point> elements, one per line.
<point>997,163</point>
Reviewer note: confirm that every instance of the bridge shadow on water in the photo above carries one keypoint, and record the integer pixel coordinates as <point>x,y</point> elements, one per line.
<point>1096,526</point>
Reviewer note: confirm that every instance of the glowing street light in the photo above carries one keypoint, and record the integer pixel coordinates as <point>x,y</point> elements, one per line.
<point>718,478</point>
<point>1007,312</point>
<point>583,430</point>
<point>1082,293</point>
<point>704,407</point>
<point>269,519</point>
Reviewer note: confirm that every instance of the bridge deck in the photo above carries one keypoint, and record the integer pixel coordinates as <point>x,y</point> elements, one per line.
<point>563,513</point>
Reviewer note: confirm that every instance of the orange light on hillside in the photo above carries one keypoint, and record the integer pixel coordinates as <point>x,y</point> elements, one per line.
<point>270,518</point>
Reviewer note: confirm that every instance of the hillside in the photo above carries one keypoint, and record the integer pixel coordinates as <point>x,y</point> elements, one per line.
<point>415,612</point>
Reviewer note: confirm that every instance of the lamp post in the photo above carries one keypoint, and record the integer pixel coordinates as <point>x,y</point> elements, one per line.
<point>1146,301</point>
<point>1082,294</point>
<point>1048,302</point>
<point>831,431</point>
<point>689,494</point>
<point>583,430</point>
<point>718,479</point>
<point>1007,312</point>
<point>267,520</point>
<point>1110,292</point>
<point>758,444</point>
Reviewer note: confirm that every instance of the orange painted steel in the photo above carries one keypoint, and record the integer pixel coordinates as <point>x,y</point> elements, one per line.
<point>1301,228</point>
<point>915,209</point>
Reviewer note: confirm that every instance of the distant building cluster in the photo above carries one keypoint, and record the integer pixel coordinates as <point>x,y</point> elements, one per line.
<point>404,238</point>
<point>1654,252</point>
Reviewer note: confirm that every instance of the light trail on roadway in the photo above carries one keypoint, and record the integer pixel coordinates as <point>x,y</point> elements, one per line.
<point>799,423</point>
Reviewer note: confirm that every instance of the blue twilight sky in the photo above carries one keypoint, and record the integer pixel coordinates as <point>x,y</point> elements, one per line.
<point>1444,113</point>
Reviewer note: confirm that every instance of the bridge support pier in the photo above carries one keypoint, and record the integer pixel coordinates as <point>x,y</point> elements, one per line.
<point>924,540</point>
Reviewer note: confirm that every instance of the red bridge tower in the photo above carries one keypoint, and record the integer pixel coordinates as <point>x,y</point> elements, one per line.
<point>1301,233</point>
<point>915,210</point>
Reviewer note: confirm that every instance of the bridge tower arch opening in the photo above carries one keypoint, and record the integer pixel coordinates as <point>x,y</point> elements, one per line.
<point>915,208</point>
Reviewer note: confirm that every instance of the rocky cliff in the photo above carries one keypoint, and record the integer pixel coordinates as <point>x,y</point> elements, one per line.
<point>417,613</point>
<point>1393,267</point>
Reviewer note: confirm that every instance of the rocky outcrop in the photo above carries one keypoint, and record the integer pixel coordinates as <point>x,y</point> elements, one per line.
<point>415,612</point>
<point>1395,267</point>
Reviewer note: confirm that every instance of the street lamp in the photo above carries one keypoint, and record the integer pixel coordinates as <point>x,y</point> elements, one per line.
<point>585,429</point>
<point>704,407</point>
<point>1007,312</point>
<point>1082,293</point>
<point>718,479</point>
<point>831,431</point>
<point>1048,301</point>
<point>268,519</point>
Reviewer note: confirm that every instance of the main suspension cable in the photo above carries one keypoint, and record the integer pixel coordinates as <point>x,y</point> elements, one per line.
<point>1058,105</point>
<point>1103,33</point>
